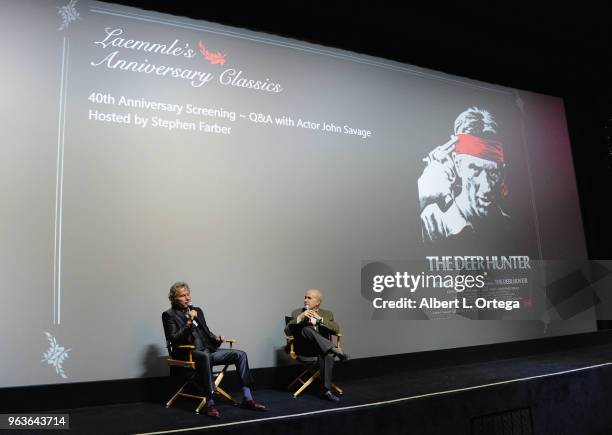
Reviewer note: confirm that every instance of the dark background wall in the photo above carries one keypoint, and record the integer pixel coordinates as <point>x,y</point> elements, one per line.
<point>560,50</point>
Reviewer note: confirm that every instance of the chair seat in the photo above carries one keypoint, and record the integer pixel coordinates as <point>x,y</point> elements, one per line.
<point>307,359</point>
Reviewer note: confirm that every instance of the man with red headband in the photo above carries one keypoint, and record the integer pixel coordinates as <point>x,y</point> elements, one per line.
<point>462,185</point>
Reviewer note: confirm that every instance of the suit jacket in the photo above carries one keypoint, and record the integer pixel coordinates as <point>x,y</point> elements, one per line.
<point>178,332</point>
<point>328,327</point>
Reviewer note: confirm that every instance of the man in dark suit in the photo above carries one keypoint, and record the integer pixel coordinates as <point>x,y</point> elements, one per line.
<point>185,324</point>
<point>312,327</point>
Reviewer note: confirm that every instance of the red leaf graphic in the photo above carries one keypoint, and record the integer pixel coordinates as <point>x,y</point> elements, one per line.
<point>216,58</point>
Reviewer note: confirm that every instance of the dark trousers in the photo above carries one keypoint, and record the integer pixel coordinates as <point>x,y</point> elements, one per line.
<point>205,360</point>
<point>309,342</point>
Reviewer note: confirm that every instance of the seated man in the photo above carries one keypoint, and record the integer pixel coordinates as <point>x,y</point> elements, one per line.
<point>311,328</point>
<point>185,324</point>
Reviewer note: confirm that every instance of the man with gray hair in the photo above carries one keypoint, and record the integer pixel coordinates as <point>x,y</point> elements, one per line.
<point>312,327</point>
<point>185,324</point>
<point>461,187</point>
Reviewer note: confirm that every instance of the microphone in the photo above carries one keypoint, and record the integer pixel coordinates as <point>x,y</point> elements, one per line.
<point>190,307</point>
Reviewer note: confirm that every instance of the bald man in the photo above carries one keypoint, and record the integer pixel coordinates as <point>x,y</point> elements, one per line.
<point>312,327</point>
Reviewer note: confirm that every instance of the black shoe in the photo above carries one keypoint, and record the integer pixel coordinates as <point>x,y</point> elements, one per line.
<point>342,356</point>
<point>328,395</point>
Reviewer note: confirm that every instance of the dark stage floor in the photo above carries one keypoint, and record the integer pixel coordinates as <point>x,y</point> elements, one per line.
<point>401,385</point>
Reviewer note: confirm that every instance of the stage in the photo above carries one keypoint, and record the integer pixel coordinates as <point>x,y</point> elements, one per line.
<point>480,390</point>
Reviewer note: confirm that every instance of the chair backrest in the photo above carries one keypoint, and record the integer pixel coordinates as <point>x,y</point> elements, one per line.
<point>166,334</point>
<point>169,346</point>
<point>294,345</point>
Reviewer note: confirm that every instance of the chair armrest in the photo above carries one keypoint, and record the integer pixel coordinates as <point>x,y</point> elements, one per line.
<point>338,335</point>
<point>189,348</point>
<point>231,342</point>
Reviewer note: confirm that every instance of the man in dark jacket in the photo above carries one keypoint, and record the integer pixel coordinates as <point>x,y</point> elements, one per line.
<point>185,324</point>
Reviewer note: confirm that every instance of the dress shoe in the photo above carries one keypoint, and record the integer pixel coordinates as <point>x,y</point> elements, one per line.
<point>212,412</point>
<point>252,405</point>
<point>328,395</point>
<point>342,356</point>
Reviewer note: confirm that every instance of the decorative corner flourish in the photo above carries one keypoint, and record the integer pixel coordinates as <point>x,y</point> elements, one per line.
<point>56,355</point>
<point>68,13</point>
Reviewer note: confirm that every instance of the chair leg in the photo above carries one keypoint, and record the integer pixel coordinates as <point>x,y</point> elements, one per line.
<point>299,378</point>
<point>176,395</point>
<point>307,383</point>
<point>225,394</point>
<point>220,390</point>
<point>202,399</point>
<point>219,377</point>
<point>181,392</point>
<point>200,406</point>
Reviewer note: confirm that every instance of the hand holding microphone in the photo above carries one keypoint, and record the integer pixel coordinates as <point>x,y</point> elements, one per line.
<point>192,314</point>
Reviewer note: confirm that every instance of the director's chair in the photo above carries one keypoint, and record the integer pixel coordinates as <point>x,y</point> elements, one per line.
<point>188,363</point>
<point>310,364</point>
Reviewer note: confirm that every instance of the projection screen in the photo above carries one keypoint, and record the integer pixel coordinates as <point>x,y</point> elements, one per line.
<point>140,149</point>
